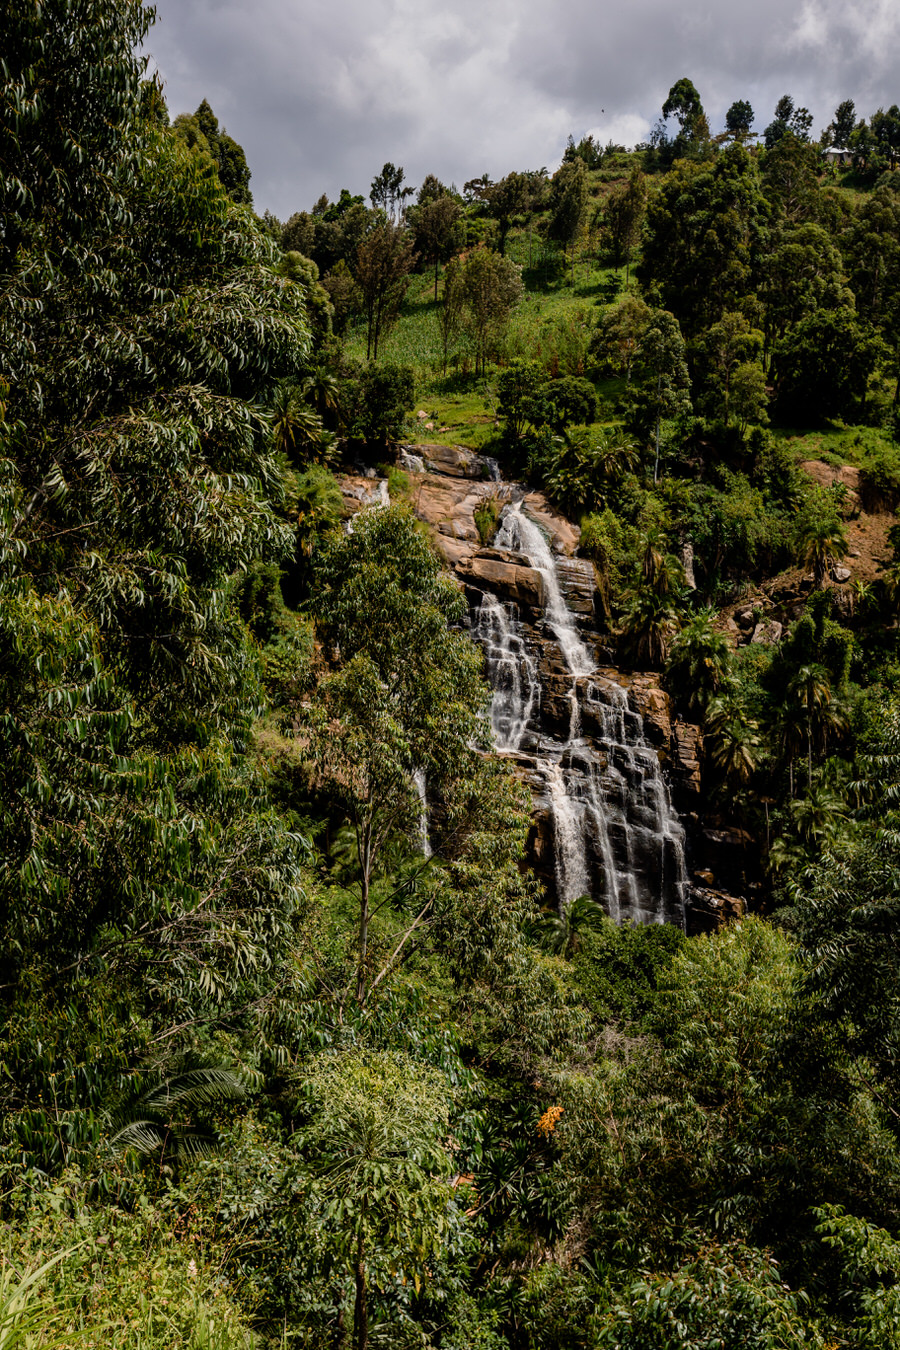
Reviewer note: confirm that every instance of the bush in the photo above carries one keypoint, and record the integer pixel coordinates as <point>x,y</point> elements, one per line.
<point>487,519</point>
<point>375,400</point>
<point>879,479</point>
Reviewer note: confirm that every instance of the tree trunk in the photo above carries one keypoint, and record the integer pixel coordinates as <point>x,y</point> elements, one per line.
<point>361,1308</point>
<point>365,868</point>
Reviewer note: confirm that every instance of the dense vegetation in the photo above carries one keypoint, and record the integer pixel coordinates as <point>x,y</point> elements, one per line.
<point>271,1072</point>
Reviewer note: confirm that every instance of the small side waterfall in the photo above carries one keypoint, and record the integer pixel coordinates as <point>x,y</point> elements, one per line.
<point>615,834</point>
<point>420,785</point>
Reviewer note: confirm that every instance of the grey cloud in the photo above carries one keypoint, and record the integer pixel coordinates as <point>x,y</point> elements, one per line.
<point>321,92</point>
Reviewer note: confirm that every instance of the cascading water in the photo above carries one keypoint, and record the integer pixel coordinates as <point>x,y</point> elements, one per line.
<point>511,671</point>
<point>521,534</point>
<point>615,834</point>
<point>419,784</point>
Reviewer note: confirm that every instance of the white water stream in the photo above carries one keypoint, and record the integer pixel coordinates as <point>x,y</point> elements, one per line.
<point>616,837</point>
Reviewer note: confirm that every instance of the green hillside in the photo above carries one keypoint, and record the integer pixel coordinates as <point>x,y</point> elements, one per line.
<point>296,1046</point>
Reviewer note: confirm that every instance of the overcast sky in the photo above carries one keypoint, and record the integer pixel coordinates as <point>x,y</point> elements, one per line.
<point>320,93</point>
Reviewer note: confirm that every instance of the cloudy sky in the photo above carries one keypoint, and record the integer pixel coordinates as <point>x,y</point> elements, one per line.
<point>321,93</point>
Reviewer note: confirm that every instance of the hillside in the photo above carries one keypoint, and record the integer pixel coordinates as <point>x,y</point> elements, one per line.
<point>449,736</point>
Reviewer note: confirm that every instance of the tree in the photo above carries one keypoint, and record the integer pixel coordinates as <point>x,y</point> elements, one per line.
<point>699,664</point>
<point>506,200</point>
<point>387,192</point>
<point>749,395</point>
<point>823,366</point>
<point>517,385</point>
<point>375,1136</point>
<point>139,862</point>
<point>801,274</point>
<point>623,217</point>
<point>384,260</point>
<point>649,625</point>
<point>683,103</point>
<point>705,234</point>
<point>847,915</point>
<point>739,118</point>
<point>885,129</point>
<point>619,332</point>
<point>730,344</point>
<point>843,123</point>
<point>872,248</point>
<point>790,179</point>
<point>452,307</point>
<point>730,740</point>
<point>375,401</point>
<point>344,294</point>
<point>227,155</point>
<point>491,287</point>
<point>407,695</point>
<point>568,200</point>
<point>789,120</point>
<point>664,382</point>
<point>437,230</point>
<point>821,538</point>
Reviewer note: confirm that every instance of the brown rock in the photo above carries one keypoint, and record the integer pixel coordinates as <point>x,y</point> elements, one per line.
<point>708,910</point>
<point>455,552</point>
<point>578,584</point>
<point>654,706</point>
<point>564,536</point>
<point>454,460</point>
<point>523,585</point>
<point>687,750</point>
<point>767,633</point>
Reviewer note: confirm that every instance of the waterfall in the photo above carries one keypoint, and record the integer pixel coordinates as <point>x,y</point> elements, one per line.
<point>615,834</point>
<point>521,534</point>
<point>511,672</point>
<point>420,785</point>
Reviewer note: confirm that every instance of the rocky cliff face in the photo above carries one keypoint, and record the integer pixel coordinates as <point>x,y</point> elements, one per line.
<point>615,778</point>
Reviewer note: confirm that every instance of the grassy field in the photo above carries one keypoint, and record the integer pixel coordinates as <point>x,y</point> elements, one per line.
<point>553,325</point>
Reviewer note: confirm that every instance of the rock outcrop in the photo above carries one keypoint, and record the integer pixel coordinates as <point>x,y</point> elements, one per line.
<point>599,748</point>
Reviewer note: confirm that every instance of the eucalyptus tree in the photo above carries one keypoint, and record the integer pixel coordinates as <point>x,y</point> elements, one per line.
<point>145,325</point>
<point>407,696</point>
<point>707,226</point>
<point>438,230</point>
<point>491,288</point>
<point>384,260</point>
<point>568,203</point>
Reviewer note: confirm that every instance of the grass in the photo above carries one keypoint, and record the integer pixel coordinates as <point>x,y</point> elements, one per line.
<point>835,445</point>
<point>552,325</point>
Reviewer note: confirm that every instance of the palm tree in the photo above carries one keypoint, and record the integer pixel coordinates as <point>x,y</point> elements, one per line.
<point>616,456</point>
<point>811,690</point>
<point>788,733</point>
<point>661,571</point>
<point>557,932</point>
<point>731,740</point>
<point>322,390</point>
<point>819,816</point>
<point>699,666</point>
<point>822,541</point>
<point>162,1118</point>
<point>296,429</point>
<point>650,624</point>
